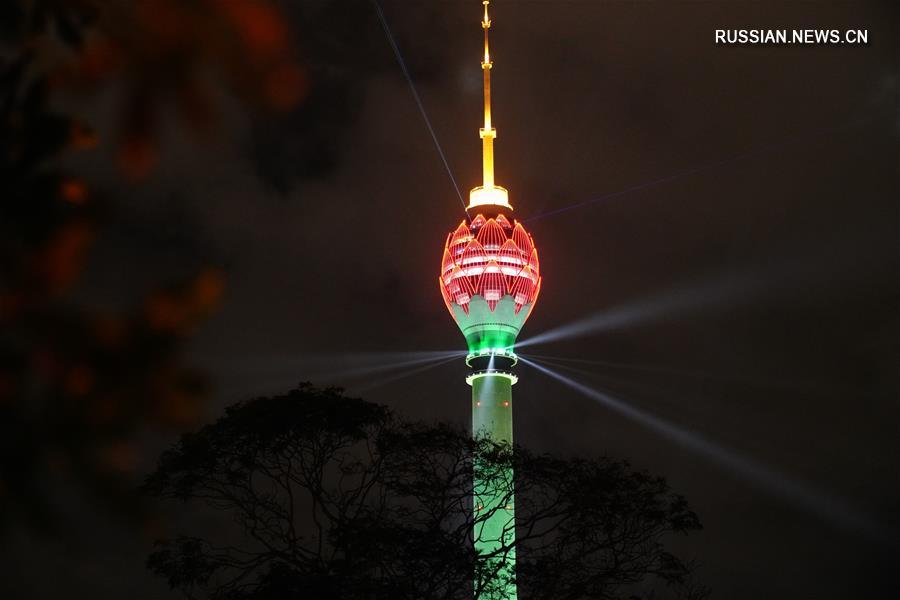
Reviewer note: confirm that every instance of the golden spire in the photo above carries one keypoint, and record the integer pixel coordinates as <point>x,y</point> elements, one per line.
<point>487,193</point>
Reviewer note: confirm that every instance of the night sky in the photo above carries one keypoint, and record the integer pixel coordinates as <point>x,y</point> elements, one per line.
<point>733,210</point>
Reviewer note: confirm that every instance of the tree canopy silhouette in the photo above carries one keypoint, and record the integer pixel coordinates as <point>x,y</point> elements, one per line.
<point>335,497</point>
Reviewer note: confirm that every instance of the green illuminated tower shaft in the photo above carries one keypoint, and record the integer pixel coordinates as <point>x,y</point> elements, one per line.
<point>490,328</point>
<point>490,280</point>
<point>494,500</point>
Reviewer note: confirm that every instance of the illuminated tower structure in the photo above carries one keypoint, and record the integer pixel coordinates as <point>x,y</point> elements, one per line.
<point>490,279</point>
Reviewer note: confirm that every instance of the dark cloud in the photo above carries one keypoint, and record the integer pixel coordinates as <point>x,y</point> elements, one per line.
<point>343,49</point>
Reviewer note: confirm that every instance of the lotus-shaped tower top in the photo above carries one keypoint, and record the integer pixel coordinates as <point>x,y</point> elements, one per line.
<point>490,280</point>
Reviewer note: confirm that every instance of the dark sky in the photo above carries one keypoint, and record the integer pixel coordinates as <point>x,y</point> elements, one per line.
<point>757,226</point>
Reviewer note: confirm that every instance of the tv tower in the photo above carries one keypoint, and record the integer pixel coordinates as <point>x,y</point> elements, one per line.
<point>490,279</point>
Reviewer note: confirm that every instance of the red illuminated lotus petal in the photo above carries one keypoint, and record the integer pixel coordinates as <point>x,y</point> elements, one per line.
<point>459,238</point>
<point>473,259</point>
<point>523,289</point>
<point>512,261</point>
<point>491,285</point>
<point>460,289</point>
<point>447,263</point>
<point>529,288</point>
<point>534,263</point>
<point>491,236</point>
<point>537,290</point>
<point>446,295</point>
<point>503,222</point>
<point>522,239</point>
<point>477,222</point>
<point>527,312</point>
<point>459,285</point>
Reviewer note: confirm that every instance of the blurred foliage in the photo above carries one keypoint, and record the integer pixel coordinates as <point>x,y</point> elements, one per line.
<point>78,385</point>
<point>337,50</point>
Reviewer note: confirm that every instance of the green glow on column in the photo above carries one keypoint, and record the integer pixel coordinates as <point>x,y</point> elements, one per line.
<point>484,328</point>
<point>492,417</point>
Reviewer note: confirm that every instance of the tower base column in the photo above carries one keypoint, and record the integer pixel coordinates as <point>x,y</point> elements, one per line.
<point>494,532</point>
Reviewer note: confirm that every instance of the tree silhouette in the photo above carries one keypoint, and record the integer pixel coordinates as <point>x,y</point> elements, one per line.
<point>335,497</point>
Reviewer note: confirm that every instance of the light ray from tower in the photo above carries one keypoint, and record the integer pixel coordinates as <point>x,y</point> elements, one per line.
<point>619,365</point>
<point>288,370</point>
<point>415,94</point>
<point>404,374</point>
<point>734,288</point>
<point>642,310</point>
<point>759,475</point>
<point>755,379</point>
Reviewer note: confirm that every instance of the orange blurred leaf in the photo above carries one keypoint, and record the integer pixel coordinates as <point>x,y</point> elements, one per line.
<point>63,258</point>
<point>259,26</point>
<point>207,289</point>
<point>137,157</point>
<point>78,381</point>
<point>82,137</point>
<point>166,313</point>
<point>286,86</point>
<point>73,191</point>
